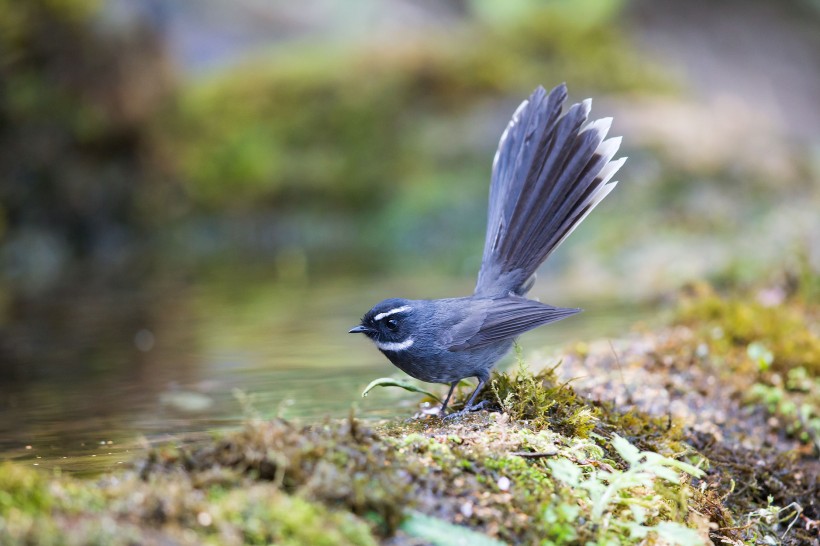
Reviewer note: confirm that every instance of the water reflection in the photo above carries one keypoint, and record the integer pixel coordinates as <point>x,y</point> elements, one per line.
<point>88,374</point>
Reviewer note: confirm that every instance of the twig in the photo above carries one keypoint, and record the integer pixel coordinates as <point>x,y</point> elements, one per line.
<point>629,398</point>
<point>534,454</point>
<point>798,510</point>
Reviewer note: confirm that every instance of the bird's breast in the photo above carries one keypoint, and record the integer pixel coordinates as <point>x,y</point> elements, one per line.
<point>423,367</point>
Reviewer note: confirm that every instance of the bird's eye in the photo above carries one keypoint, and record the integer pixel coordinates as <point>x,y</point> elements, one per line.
<point>391,324</point>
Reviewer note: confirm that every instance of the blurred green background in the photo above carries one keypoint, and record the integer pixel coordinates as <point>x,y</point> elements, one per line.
<point>198,197</point>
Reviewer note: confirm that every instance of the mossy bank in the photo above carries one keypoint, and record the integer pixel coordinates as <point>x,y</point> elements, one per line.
<point>555,462</point>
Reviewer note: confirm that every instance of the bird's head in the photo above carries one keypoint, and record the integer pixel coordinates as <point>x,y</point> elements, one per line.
<point>389,324</point>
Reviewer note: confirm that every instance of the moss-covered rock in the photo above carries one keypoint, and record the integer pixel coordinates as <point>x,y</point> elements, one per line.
<point>344,482</point>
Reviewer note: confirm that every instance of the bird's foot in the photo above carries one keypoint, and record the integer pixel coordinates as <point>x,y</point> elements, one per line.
<point>468,409</point>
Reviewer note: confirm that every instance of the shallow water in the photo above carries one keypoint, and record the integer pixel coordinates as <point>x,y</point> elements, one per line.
<point>91,375</point>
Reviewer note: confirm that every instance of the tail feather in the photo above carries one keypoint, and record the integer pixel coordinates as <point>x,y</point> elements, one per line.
<point>549,172</point>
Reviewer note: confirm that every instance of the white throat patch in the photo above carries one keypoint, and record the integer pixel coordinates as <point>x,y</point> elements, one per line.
<point>401,309</point>
<point>395,346</point>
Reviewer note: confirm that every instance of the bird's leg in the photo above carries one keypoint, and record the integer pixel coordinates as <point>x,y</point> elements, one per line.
<point>443,410</point>
<point>469,406</point>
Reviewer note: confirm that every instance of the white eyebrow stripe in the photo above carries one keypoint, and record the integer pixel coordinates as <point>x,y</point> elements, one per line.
<point>401,309</point>
<point>393,346</point>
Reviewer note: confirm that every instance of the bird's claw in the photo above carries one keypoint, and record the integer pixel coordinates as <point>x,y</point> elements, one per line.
<point>469,409</point>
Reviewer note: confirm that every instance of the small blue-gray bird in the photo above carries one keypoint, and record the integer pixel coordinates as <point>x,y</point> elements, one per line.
<point>549,172</point>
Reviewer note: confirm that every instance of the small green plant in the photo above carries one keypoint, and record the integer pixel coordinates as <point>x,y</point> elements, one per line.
<point>405,384</point>
<point>247,402</point>
<point>797,404</point>
<point>443,533</point>
<point>561,523</point>
<point>626,505</point>
<point>760,355</point>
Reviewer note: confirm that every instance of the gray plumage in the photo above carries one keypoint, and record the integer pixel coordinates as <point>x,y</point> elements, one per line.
<point>549,172</point>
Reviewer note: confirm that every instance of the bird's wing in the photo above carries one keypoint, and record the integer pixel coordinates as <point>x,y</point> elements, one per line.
<point>498,319</point>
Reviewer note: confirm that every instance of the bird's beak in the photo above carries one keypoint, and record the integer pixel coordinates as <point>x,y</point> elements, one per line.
<point>358,329</point>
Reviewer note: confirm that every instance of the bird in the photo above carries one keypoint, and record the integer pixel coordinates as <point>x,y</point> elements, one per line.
<point>550,170</point>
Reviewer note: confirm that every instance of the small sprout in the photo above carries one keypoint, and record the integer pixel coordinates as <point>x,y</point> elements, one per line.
<point>247,404</point>
<point>760,355</point>
<point>401,383</point>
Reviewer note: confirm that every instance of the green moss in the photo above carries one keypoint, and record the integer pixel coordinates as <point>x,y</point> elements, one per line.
<point>533,485</point>
<point>22,489</point>
<point>343,465</point>
<point>176,511</point>
<point>263,517</point>
<point>649,433</point>
<point>540,400</point>
<point>739,329</point>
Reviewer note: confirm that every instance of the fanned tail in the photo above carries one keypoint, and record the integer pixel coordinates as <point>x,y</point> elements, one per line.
<point>549,172</point>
